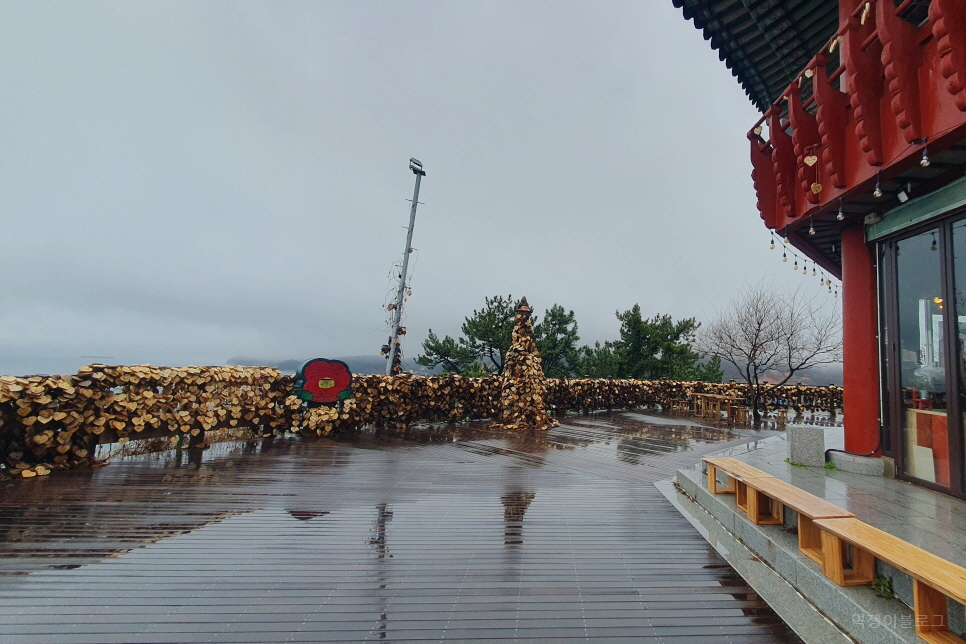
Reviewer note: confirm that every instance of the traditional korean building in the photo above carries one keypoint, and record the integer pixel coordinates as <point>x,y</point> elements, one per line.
<point>859,161</point>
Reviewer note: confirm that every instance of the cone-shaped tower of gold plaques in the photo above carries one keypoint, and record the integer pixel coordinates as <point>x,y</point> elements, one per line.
<point>523,398</point>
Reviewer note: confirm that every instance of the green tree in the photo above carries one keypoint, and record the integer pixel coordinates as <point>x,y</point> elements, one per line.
<point>599,361</point>
<point>647,349</point>
<point>475,370</point>
<point>659,348</point>
<point>486,338</point>
<point>708,371</point>
<point>489,331</point>
<point>452,356</point>
<point>556,338</point>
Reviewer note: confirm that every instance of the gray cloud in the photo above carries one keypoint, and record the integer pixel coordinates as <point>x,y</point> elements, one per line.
<point>184,182</point>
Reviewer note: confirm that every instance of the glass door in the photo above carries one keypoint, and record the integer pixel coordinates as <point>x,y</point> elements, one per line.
<point>958,353</point>
<point>921,357</point>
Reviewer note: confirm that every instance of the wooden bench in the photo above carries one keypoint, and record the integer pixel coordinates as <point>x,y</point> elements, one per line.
<point>738,415</point>
<point>808,506</point>
<point>934,578</point>
<point>699,404</point>
<point>680,405</point>
<point>708,405</point>
<point>738,474</point>
<point>736,471</point>
<point>763,498</point>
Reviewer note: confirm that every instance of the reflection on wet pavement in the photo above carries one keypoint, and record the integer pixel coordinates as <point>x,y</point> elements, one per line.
<point>424,534</point>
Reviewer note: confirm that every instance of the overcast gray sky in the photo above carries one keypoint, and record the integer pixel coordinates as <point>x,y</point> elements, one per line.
<point>181,182</point>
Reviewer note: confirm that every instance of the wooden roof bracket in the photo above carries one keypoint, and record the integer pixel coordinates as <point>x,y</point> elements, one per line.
<point>783,159</point>
<point>865,74</point>
<point>806,141</point>
<point>900,60</point>
<point>831,117</point>
<point>949,28</point>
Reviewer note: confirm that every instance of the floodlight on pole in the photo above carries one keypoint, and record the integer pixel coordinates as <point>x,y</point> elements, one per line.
<point>417,167</point>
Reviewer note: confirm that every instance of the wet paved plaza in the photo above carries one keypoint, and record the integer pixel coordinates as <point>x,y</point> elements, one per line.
<point>429,534</point>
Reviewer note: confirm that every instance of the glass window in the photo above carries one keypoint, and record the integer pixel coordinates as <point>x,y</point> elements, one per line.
<point>921,312</point>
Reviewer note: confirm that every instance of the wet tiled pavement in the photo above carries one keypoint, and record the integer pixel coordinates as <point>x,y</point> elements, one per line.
<point>428,534</point>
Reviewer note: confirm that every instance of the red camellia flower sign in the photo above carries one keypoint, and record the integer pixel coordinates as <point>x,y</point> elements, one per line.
<point>323,381</point>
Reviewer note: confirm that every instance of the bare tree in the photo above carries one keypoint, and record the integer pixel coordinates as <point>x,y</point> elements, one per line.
<point>778,333</point>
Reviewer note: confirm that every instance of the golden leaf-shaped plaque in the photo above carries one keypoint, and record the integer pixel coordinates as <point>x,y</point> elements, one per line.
<point>811,160</point>
<point>816,188</point>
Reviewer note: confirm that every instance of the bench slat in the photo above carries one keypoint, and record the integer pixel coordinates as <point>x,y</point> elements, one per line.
<point>798,499</point>
<point>735,468</point>
<point>939,573</point>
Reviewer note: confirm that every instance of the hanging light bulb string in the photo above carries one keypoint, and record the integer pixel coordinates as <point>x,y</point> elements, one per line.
<point>925,162</point>
<point>787,249</point>
<point>878,193</point>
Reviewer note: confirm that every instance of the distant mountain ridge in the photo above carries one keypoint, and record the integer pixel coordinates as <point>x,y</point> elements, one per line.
<point>815,377</point>
<point>366,365</point>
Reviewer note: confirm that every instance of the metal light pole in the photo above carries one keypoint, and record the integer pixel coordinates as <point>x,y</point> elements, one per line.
<point>417,169</point>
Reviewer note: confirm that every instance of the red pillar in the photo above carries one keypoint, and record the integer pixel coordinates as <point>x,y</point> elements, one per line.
<point>859,344</point>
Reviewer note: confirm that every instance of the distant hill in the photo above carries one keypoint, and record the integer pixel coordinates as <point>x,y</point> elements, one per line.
<point>818,377</point>
<point>363,365</point>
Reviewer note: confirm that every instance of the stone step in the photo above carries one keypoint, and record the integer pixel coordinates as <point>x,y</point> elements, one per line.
<point>857,610</point>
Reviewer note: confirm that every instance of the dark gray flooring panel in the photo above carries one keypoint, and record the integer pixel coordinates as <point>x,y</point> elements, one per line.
<point>426,534</point>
